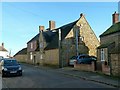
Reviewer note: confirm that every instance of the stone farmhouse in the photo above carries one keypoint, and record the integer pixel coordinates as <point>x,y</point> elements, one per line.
<point>54,46</point>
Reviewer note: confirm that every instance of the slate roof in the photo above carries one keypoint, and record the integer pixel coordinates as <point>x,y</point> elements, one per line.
<point>113,29</point>
<point>21,52</point>
<point>64,31</point>
<point>48,35</point>
<point>51,36</point>
<point>107,44</point>
<point>2,49</point>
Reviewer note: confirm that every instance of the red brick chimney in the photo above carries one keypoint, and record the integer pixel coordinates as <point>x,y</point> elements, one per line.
<point>115,17</point>
<point>51,24</point>
<point>41,28</point>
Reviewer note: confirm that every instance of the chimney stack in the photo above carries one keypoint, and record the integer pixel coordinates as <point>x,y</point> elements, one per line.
<point>51,25</point>
<point>115,17</point>
<point>3,45</point>
<point>81,14</point>
<point>41,28</point>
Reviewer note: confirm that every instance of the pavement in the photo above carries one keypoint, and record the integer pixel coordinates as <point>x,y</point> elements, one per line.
<point>91,76</point>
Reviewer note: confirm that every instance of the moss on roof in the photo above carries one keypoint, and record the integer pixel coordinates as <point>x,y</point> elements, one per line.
<point>105,45</point>
<point>113,29</point>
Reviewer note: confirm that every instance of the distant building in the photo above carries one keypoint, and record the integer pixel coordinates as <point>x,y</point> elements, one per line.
<point>109,49</point>
<point>51,47</point>
<point>21,55</point>
<point>3,51</point>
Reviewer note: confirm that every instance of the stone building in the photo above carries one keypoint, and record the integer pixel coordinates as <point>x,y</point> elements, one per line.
<point>109,49</point>
<point>21,55</point>
<point>56,45</point>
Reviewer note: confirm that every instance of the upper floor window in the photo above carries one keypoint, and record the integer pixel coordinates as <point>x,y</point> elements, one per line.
<point>31,45</point>
<point>81,38</point>
<point>41,45</point>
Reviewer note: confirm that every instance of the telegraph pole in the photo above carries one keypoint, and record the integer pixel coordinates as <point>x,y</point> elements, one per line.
<point>60,60</point>
<point>77,28</point>
<point>76,41</point>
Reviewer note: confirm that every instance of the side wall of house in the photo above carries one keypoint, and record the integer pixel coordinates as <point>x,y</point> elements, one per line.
<point>31,46</point>
<point>52,57</point>
<point>110,38</point>
<point>88,35</point>
<point>5,54</point>
<point>89,38</point>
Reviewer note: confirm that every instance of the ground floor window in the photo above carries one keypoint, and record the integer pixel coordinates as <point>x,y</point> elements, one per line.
<point>102,55</point>
<point>31,55</point>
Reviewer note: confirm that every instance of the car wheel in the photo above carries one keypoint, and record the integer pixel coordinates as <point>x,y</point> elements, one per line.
<point>3,75</point>
<point>20,74</point>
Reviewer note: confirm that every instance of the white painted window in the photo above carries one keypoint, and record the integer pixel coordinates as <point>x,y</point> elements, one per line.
<point>102,55</point>
<point>41,45</point>
<point>41,56</point>
<point>31,45</point>
<point>31,56</point>
<point>81,38</point>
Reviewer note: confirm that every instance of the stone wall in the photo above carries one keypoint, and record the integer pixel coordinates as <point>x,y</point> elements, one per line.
<point>110,38</point>
<point>105,69</point>
<point>52,57</point>
<point>115,61</point>
<point>85,31</point>
<point>21,58</point>
<point>85,67</point>
<point>89,37</point>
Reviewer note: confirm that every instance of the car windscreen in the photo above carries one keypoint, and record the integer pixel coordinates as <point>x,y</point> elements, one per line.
<point>10,62</point>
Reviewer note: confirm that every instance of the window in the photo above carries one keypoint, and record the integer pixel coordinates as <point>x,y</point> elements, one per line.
<point>31,45</point>
<point>102,55</point>
<point>81,38</point>
<point>41,45</point>
<point>41,56</point>
<point>31,56</point>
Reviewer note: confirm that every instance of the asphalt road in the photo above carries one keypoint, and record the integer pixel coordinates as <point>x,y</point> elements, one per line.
<point>34,77</point>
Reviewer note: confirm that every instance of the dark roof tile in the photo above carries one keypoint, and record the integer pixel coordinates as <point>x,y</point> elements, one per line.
<point>113,29</point>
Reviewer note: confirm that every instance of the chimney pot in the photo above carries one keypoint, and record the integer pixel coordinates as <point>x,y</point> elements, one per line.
<point>41,28</point>
<point>81,14</point>
<point>115,17</point>
<point>51,25</point>
<point>3,45</point>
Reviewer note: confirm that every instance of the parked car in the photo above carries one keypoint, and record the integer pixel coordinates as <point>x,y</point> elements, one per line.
<point>10,67</point>
<point>85,59</point>
<point>72,60</point>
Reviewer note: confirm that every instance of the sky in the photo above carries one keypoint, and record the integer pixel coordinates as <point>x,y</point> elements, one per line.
<point>20,20</point>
